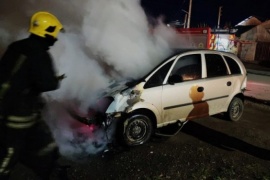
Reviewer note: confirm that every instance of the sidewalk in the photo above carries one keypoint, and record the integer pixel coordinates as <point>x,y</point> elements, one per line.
<point>258,83</point>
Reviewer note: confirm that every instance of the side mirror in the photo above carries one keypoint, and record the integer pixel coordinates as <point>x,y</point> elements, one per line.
<point>175,79</point>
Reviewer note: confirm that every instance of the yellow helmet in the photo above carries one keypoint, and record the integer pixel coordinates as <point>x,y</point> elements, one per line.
<point>43,23</point>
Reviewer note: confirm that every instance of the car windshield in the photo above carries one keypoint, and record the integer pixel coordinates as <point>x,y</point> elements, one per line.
<point>158,65</point>
<point>174,52</point>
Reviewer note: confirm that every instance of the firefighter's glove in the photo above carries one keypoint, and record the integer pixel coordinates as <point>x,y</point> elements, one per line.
<point>61,77</point>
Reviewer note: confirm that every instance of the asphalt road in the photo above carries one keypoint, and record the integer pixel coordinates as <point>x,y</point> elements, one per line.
<point>208,148</point>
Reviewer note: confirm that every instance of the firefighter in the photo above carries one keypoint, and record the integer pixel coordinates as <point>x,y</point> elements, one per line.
<point>26,71</point>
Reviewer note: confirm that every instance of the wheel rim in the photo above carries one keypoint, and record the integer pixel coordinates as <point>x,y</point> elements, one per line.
<point>137,130</point>
<point>236,110</point>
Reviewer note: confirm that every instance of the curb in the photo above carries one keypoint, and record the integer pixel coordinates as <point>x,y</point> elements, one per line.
<point>258,101</point>
<point>263,73</point>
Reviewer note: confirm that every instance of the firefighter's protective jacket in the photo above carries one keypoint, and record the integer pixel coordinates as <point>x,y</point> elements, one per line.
<point>26,70</point>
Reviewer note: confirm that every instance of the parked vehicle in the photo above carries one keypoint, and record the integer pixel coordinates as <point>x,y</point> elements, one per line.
<point>189,84</point>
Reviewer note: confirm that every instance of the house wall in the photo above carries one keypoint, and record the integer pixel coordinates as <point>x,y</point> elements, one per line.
<point>263,33</point>
<point>250,35</point>
<point>262,51</point>
<point>254,45</point>
<point>247,50</point>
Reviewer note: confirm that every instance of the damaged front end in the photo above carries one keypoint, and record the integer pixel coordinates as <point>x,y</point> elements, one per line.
<point>95,115</point>
<point>114,103</point>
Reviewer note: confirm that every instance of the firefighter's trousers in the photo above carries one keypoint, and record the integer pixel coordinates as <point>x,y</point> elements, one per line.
<point>28,141</point>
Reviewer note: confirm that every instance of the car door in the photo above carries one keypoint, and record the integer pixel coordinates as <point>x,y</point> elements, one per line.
<point>180,96</point>
<point>218,83</point>
<point>153,87</point>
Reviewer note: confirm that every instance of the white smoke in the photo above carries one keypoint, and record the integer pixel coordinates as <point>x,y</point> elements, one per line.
<point>76,141</point>
<point>118,31</point>
<point>104,39</point>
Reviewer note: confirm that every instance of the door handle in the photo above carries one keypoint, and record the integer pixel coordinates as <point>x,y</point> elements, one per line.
<point>229,83</point>
<point>200,89</point>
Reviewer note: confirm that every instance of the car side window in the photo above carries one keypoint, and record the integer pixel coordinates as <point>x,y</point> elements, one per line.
<point>234,67</point>
<point>159,76</point>
<point>215,65</point>
<point>188,68</point>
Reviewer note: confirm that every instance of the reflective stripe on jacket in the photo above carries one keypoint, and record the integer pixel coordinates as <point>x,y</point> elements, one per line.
<point>21,122</point>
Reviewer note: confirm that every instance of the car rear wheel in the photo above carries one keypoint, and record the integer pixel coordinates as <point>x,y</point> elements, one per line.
<point>137,130</point>
<point>235,109</point>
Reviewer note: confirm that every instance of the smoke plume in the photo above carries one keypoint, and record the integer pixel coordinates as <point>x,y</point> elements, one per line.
<point>104,40</point>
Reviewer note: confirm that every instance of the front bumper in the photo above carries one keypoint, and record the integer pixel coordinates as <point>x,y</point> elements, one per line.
<point>98,119</point>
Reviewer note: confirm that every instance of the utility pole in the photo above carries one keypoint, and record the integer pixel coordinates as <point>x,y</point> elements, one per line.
<point>185,20</point>
<point>189,13</point>
<point>219,14</point>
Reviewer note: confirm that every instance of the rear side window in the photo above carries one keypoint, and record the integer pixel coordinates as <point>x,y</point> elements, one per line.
<point>234,67</point>
<point>215,65</point>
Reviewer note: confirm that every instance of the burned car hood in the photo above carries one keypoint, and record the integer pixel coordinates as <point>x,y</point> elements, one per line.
<point>116,87</point>
<point>122,95</point>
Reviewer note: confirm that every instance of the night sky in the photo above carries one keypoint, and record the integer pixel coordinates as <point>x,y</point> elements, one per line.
<point>206,11</point>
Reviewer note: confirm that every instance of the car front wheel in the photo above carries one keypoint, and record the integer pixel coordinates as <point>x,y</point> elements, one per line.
<point>235,109</point>
<point>137,130</point>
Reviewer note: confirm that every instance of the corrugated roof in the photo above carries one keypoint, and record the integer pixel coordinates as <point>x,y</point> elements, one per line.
<point>250,21</point>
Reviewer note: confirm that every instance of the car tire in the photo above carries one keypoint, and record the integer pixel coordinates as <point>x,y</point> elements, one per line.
<point>236,109</point>
<point>136,130</point>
